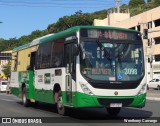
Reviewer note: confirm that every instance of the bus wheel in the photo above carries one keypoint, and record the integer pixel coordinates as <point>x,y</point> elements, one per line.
<point>25,101</point>
<point>158,87</point>
<point>113,111</point>
<point>62,110</point>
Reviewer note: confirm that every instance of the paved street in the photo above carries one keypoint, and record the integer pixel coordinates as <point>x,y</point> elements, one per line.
<point>11,106</point>
<point>153,94</point>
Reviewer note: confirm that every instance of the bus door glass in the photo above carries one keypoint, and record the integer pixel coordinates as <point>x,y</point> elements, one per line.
<point>68,64</point>
<point>32,60</point>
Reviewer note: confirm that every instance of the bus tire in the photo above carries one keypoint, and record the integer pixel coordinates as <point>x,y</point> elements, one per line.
<point>113,111</point>
<point>25,101</point>
<point>61,109</point>
<point>158,87</point>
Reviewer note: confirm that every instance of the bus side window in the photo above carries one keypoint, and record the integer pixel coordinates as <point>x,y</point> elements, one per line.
<point>43,56</point>
<point>57,54</point>
<point>57,60</point>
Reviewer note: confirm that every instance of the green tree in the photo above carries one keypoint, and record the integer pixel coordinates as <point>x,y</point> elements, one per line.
<point>76,19</point>
<point>149,1</point>
<point>35,34</point>
<point>134,3</point>
<point>6,69</point>
<point>157,2</point>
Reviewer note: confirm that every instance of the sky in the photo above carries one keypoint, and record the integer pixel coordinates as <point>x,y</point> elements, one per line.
<point>21,17</point>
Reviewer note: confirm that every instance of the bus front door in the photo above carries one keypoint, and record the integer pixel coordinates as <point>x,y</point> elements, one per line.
<point>69,62</point>
<point>68,89</point>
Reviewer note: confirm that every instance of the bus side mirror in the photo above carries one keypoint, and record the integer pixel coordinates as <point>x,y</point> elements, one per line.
<point>83,56</point>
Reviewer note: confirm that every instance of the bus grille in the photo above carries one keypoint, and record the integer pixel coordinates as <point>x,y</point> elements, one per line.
<point>107,102</point>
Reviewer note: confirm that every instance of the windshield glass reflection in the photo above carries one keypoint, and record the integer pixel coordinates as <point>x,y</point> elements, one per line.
<point>112,61</point>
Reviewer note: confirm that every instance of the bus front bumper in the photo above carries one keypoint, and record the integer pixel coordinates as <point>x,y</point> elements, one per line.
<point>83,100</point>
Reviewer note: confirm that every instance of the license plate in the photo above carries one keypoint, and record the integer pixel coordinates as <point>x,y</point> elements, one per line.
<point>116,105</point>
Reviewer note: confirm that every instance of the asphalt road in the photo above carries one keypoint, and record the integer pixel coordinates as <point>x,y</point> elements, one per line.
<point>11,106</point>
<point>153,93</point>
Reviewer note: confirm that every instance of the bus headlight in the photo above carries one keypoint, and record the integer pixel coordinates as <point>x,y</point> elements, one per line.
<point>142,90</point>
<point>86,90</point>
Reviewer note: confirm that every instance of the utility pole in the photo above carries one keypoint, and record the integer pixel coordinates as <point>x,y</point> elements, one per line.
<point>118,6</point>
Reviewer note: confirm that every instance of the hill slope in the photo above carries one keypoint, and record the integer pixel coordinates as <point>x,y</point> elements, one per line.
<point>78,18</point>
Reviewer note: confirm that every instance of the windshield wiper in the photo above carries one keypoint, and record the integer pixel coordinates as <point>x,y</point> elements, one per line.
<point>106,53</point>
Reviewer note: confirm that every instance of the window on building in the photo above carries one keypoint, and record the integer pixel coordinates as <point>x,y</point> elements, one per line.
<point>148,60</point>
<point>149,24</point>
<point>157,57</point>
<point>157,22</point>
<point>138,28</point>
<point>149,42</point>
<point>5,56</point>
<point>133,28</point>
<point>157,40</point>
<point>156,72</point>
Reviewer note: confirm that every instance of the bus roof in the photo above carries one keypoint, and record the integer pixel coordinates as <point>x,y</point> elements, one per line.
<point>50,37</point>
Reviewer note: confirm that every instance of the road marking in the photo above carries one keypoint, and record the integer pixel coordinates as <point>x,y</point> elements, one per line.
<point>152,98</point>
<point>6,99</point>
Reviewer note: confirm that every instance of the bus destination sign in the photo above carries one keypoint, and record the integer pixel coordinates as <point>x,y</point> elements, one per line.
<point>110,34</point>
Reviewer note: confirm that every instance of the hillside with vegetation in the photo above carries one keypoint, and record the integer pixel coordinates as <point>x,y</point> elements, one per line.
<point>79,18</point>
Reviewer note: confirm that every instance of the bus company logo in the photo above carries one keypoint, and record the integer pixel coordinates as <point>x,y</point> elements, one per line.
<point>6,120</point>
<point>116,93</point>
<point>21,120</point>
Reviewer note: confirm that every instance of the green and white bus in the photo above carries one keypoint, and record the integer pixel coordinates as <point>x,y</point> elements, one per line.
<point>83,66</point>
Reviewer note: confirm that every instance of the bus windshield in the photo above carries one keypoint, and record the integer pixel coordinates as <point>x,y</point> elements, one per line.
<point>112,61</point>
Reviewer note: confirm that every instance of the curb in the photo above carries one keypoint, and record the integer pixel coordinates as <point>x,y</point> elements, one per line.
<point>152,98</point>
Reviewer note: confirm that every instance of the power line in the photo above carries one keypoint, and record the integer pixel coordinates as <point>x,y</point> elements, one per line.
<point>66,6</point>
<point>58,3</point>
<point>53,2</point>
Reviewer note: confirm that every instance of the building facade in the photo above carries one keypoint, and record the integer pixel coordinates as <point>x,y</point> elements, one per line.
<point>146,21</point>
<point>5,57</point>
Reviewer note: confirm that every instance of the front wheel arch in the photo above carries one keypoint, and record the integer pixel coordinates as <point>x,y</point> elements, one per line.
<point>56,90</point>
